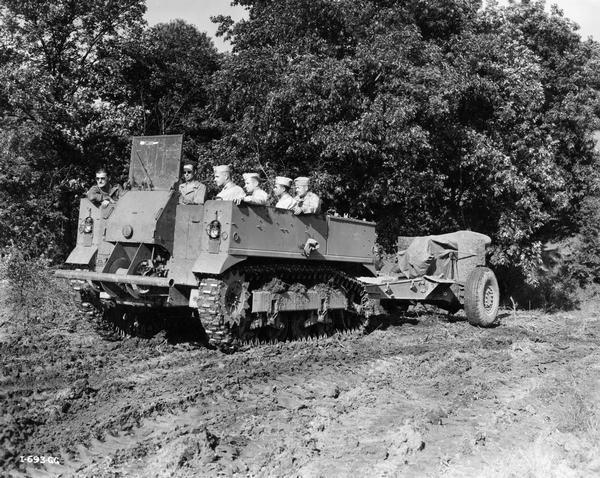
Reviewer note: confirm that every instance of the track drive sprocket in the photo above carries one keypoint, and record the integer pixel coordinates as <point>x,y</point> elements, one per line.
<point>222,304</point>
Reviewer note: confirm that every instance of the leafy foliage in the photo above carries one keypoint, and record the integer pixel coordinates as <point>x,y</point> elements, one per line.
<point>423,115</point>
<point>57,126</point>
<point>167,78</point>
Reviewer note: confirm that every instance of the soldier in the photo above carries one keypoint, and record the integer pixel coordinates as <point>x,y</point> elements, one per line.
<point>255,194</point>
<point>230,191</point>
<point>191,191</point>
<point>102,193</point>
<point>282,193</point>
<point>306,202</point>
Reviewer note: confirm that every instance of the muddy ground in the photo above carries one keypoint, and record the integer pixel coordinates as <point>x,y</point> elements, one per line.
<point>419,396</point>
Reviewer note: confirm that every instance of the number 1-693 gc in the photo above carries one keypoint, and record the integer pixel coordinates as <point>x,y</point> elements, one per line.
<point>40,459</point>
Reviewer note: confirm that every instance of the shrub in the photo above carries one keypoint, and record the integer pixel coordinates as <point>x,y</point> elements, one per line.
<point>32,292</point>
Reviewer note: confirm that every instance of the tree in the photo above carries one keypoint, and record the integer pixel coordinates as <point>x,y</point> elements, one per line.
<point>168,75</point>
<point>425,116</point>
<point>55,77</point>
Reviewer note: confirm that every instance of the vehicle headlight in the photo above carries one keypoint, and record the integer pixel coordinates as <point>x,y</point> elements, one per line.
<point>214,229</point>
<point>88,225</point>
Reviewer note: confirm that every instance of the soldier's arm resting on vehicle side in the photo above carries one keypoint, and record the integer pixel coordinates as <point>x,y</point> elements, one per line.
<point>307,206</point>
<point>257,199</point>
<point>286,203</point>
<point>95,196</point>
<point>307,209</point>
<point>262,198</point>
<point>311,205</point>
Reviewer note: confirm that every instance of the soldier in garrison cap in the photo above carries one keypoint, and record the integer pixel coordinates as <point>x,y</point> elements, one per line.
<point>191,191</point>
<point>230,191</point>
<point>255,195</point>
<point>282,193</point>
<point>306,202</point>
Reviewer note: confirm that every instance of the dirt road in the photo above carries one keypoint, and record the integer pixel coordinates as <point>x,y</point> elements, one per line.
<point>418,396</point>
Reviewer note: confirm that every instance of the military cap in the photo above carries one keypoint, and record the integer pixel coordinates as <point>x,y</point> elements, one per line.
<point>191,163</point>
<point>302,181</point>
<point>251,175</point>
<point>283,181</point>
<point>223,168</point>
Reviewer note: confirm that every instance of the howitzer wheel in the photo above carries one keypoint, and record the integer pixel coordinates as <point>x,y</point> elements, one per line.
<point>482,297</point>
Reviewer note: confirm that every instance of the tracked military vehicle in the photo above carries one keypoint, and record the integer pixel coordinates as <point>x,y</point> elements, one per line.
<point>244,273</point>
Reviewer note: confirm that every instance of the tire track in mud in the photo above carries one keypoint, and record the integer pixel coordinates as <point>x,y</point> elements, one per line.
<point>280,381</point>
<point>431,398</point>
<point>255,373</point>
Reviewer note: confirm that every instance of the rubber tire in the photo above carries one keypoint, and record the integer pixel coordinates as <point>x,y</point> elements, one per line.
<point>478,281</point>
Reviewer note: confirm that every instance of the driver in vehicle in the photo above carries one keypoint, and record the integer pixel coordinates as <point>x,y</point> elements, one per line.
<point>102,194</point>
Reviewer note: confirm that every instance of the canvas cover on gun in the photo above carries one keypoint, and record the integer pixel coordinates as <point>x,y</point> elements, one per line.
<point>440,255</point>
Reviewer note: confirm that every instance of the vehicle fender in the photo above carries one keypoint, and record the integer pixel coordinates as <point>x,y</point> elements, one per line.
<point>215,263</point>
<point>82,255</point>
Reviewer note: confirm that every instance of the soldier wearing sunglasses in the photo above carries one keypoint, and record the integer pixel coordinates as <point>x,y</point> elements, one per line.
<point>191,191</point>
<point>102,194</point>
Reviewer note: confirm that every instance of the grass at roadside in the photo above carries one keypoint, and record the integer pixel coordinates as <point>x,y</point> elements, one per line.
<point>30,292</point>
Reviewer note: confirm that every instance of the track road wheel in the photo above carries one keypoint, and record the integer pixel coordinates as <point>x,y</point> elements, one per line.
<point>482,297</point>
